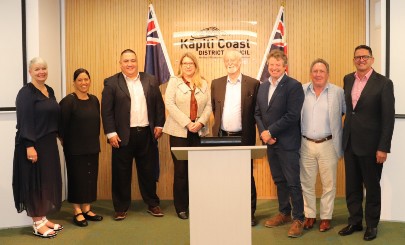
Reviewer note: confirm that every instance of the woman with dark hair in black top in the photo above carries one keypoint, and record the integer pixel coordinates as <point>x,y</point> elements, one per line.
<point>80,131</point>
<point>37,181</point>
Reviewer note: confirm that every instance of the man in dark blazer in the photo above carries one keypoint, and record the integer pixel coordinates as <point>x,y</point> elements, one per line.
<point>367,134</point>
<point>133,115</point>
<point>277,114</point>
<point>233,103</point>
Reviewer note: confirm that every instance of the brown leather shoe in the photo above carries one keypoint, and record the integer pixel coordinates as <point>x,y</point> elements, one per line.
<point>296,229</point>
<point>309,223</point>
<point>155,211</point>
<point>277,220</point>
<point>325,225</point>
<point>120,216</point>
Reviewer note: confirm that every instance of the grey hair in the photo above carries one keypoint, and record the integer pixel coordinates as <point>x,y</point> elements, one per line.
<point>233,52</point>
<point>37,60</point>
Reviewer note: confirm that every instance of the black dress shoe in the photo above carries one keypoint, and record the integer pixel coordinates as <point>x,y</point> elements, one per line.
<point>370,234</point>
<point>348,230</point>
<point>183,215</point>
<point>254,221</point>
<point>92,218</point>
<point>81,223</point>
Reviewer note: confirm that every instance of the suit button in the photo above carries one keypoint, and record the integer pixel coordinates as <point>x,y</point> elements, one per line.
<point>353,112</point>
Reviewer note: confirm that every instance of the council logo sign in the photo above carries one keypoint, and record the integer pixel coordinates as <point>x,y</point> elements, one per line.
<point>212,42</point>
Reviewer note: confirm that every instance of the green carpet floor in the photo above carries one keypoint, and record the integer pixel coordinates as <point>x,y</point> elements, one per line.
<point>141,228</point>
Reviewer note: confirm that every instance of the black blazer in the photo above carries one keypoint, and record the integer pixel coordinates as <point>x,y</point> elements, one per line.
<point>116,105</point>
<point>371,124</point>
<point>248,96</point>
<point>282,115</point>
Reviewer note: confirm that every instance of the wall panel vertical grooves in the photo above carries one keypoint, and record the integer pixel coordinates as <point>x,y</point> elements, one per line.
<point>97,31</point>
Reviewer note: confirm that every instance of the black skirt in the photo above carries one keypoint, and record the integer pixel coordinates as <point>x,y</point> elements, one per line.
<point>37,187</point>
<point>82,173</point>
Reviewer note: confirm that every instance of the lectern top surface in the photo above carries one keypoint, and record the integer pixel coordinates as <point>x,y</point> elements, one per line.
<point>181,153</point>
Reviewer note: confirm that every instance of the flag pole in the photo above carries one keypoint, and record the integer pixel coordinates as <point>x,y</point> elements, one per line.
<point>280,12</point>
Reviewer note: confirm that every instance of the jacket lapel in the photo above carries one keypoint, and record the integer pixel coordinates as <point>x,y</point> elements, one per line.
<point>348,89</point>
<point>221,94</point>
<point>331,98</point>
<point>145,84</point>
<point>123,85</point>
<point>277,91</point>
<point>203,89</point>
<point>243,93</point>
<point>367,88</point>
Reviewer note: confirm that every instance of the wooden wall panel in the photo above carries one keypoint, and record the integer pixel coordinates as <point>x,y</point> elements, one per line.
<point>98,30</point>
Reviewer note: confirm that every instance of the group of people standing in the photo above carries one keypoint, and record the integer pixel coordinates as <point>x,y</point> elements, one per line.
<point>300,124</point>
<point>302,127</point>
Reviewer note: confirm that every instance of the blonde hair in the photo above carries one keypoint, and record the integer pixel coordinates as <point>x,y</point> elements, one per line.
<point>197,78</point>
<point>37,60</point>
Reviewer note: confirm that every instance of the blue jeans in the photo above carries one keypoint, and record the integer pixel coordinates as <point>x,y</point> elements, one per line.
<point>285,170</point>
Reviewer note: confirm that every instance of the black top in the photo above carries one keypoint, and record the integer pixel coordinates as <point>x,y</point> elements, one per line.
<point>37,115</point>
<point>80,125</point>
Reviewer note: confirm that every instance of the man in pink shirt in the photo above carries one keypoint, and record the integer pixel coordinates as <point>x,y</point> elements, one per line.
<point>367,134</point>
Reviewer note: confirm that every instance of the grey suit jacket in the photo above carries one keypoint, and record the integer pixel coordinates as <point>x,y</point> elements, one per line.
<point>336,109</point>
<point>116,105</point>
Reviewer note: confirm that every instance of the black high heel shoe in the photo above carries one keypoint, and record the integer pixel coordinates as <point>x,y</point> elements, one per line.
<point>81,223</point>
<point>92,218</point>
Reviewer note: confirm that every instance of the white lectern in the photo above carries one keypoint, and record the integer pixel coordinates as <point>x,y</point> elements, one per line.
<point>219,187</point>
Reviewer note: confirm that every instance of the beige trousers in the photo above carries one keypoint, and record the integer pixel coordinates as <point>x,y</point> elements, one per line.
<point>320,157</point>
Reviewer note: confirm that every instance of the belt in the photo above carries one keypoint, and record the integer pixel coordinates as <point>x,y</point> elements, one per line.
<point>318,140</point>
<point>226,133</point>
<point>139,128</point>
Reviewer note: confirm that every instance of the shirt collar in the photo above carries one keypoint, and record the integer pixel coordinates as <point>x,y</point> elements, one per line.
<point>238,80</point>
<point>366,77</point>
<point>311,87</point>
<point>278,80</point>
<point>129,79</point>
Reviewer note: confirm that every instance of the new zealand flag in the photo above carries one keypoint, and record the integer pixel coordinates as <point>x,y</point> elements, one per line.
<point>277,41</point>
<point>157,61</point>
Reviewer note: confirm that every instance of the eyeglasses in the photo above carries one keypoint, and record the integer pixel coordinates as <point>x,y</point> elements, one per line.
<point>363,57</point>
<point>189,64</point>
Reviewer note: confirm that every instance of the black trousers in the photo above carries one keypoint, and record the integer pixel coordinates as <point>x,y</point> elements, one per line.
<point>180,183</point>
<point>143,149</point>
<point>363,171</point>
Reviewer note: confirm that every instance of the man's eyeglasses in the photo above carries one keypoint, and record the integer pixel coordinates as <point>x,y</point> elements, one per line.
<point>363,57</point>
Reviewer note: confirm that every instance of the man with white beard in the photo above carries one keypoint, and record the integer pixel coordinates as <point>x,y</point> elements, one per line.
<point>228,95</point>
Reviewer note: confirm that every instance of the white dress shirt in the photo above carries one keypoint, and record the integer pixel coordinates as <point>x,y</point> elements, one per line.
<point>232,114</point>
<point>139,109</point>
<point>273,87</point>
